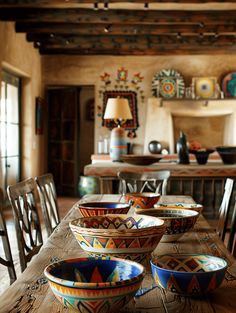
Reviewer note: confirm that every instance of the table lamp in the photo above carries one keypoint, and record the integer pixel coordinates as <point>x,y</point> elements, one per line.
<point>118,109</point>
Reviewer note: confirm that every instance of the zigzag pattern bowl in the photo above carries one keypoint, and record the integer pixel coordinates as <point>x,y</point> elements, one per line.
<point>177,221</point>
<point>94,285</point>
<point>120,235</point>
<point>188,274</point>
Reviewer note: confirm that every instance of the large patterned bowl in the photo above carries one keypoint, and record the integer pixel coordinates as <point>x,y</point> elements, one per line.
<point>94,285</point>
<point>142,200</point>
<point>194,206</point>
<point>120,235</point>
<point>103,208</point>
<point>188,274</point>
<point>178,221</point>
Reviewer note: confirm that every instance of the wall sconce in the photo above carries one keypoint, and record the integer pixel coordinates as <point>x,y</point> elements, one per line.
<point>118,109</point>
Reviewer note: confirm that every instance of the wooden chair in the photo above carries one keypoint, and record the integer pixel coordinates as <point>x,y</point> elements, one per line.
<point>140,182</point>
<point>48,199</point>
<point>27,223</point>
<point>224,209</point>
<point>232,233</point>
<point>6,259</point>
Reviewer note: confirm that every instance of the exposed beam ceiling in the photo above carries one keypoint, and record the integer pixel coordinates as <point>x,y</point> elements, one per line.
<point>81,27</point>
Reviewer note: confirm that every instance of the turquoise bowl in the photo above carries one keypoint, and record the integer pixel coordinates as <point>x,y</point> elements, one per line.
<point>94,285</point>
<point>188,274</point>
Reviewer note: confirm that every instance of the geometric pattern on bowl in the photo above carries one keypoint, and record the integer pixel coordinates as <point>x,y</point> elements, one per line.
<point>177,221</point>
<point>193,206</point>
<point>94,285</point>
<point>188,274</point>
<point>142,200</point>
<point>120,235</point>
<point>103,208</point>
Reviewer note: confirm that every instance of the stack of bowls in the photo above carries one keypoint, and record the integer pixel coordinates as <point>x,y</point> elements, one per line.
<point>94,285</point>
<point>188,274</point>
<point>126,236</point>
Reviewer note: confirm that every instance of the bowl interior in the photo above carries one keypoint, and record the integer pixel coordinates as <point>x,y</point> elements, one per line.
<point>195,207</point>
<point>88,270</point>
<point>143,195</point>
<point>102,205</point>
<point>200,263</point>
<point>226,149</point>
<point>118,222</point>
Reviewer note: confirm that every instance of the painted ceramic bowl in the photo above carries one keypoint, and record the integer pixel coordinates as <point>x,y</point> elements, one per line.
<point>142,200</point>
<point>227,154</point>
<point>126,236</point>
<point>94,285</point>
<point>188,274</point>
<point>103,208</point>
<point>177,221</point>
<point>202,155</point>
<point>196,206</point>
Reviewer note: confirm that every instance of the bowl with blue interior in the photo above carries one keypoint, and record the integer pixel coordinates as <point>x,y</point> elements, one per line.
<point>102,208</point>
<point>188,274</point>
<point>94,284</point>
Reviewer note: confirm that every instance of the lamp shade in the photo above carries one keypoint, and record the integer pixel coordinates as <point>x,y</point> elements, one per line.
<point>118,108</point>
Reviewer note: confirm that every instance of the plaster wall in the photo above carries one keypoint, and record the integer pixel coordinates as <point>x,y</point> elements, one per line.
<point>86,70</point>
<point>22,59</point>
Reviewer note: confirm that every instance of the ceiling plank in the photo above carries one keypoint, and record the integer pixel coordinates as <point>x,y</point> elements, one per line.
<point>119,29</point>
<point>117,16</point>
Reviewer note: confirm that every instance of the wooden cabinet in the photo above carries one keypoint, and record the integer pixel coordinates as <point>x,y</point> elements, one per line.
<point>63,143</point>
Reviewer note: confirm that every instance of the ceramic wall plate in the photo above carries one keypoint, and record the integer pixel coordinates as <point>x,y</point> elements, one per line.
<point>205,87</point>
<point>168,84</point>
<point>229,85</point>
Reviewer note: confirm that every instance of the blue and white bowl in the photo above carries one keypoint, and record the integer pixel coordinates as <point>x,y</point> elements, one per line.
<point>188,274</point>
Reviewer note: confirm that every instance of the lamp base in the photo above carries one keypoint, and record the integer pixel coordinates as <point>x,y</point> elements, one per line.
<point>118,145</point>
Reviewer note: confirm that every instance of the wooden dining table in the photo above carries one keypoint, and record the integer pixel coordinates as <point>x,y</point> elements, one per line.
<point>31,291</point>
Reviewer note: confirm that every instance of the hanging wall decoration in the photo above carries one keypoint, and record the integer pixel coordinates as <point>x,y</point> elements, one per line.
<point>122,86</point>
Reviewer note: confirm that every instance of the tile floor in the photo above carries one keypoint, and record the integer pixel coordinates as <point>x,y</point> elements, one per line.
<point>64,205</point>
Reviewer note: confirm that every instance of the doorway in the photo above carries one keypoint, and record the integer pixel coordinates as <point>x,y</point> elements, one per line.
<point>10,129</point>
<point>70,134</point>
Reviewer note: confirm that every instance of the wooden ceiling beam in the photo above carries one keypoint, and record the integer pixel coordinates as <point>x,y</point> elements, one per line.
<point>119,29</point>
<point>118,16</point>
<point>40,3</point>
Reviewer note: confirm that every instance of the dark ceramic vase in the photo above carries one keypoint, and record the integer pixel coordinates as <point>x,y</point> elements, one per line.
<point>182,149</point>
<point>154,147</point>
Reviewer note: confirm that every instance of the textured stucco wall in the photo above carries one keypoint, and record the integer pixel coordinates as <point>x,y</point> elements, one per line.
<point>86,70</point>
<point>20,58</point>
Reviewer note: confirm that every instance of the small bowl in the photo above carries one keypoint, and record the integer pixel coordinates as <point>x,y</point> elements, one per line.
<point>202,155</point>
<point>103,208</point>
<point>186,206</point>
<point>92,285</point>
<point>142,200</point>
<point>227,154</point>
<point>188,274</point>
<point>119,235</point>
<point>177,221</point>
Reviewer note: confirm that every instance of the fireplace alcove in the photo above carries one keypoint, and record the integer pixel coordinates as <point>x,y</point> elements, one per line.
<point>211,122</point>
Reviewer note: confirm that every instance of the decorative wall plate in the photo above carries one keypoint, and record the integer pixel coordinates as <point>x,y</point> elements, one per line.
<point>229,85</point>
<point>205,87</point>
<point>168,84</point>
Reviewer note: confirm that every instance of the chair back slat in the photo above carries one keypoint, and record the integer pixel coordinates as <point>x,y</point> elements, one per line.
<point>140,182</point>
<point>224,209</point>
<point>6,259</point>
<point>48,199</point>
<point>232,233</point>
<point>27,222</point>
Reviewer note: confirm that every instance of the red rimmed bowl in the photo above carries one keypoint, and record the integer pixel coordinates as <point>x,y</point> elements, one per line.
<point>94,284</point>
<point>119,235</point>
<point>142,200</point>
<point>103,208</point>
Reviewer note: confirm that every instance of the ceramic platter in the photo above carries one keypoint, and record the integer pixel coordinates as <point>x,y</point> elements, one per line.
<point>205,87</point>
<point>168,84</point>
<point>229,85</point>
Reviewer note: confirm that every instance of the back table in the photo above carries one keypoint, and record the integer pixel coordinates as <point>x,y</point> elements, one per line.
<point>31,292</point>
